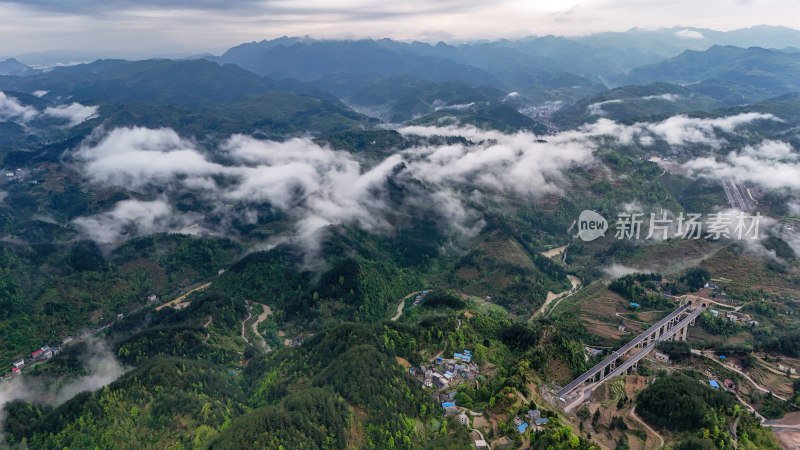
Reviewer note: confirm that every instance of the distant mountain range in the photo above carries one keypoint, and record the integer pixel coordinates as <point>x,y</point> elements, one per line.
<point>500,84</point>
<point>730,74</point>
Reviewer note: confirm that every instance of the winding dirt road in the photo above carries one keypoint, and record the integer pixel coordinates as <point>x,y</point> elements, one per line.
<point>402,304</point>
<point>646,426</point>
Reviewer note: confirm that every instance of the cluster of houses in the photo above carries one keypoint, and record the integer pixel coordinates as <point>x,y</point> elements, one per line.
<point>419,298</point>
<point>16,175</point>
<point>727,383</point>
<point>446,372</point>
<point>532,420</point>
<point>787,369</point>
<point>42,354</point>
<point>734,317</point>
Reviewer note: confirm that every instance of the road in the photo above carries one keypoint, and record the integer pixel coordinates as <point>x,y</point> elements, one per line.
<point>711,356</point>
<point>644,424</point>
<point>402,304</point>
<point>262,317</point>
<point>576,286</point>
<point>254,326</point>
<point>183,297</point>
<point>618,354</point>
<point>735,197</point>
<point>244,335</point>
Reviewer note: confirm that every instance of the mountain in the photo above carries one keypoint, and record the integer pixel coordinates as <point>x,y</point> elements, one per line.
<point>396,99</point>
<point>308,61</point>
<point>187,83</point>
<point>729,74</point>
<point>489,115</point>
<point>13,67</point>
<point>634,103</point>
<point>474,65</point>
<point>669,42</point>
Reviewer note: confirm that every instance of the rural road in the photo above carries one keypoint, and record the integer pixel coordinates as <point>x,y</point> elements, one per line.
<point>733,369</point>
<point>648,427</point>
<point>402,304</point>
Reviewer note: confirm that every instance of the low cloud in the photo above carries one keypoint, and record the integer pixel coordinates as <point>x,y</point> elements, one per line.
<point>131,218</point>
<point>596,109</point>
<point>12,109</point>
<point>689,34</point>
<point>74,113</point>
<point>314,185</point>
<point>618,270</point>
<point>98,360</point>
<point>683,130</point>
<point>771,164</point>
<point>677,131</point>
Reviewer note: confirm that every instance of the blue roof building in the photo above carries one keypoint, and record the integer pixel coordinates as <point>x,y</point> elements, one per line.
<point>541,421</point>
<point>448,405</point>
<point>634,305</point>
<point>714,384</point>
<point>522,427</point>
<point>466,357</point>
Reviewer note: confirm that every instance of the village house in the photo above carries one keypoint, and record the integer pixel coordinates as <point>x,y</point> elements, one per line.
<point>439,380</point>
<point>663,357</point>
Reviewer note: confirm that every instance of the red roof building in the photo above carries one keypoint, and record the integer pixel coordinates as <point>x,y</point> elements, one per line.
<point>37,353</point>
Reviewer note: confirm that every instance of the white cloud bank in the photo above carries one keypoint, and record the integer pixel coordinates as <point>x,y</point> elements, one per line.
<point>317,186</point>
<point>12,109</point>
<point>74,113</point>
<point>689,34</point>
<point>771,164</point>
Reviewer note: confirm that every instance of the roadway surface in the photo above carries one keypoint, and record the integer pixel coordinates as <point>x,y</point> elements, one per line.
<point>618,353</point>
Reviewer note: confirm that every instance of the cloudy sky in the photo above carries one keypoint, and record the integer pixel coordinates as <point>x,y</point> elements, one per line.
<point>172,27</point>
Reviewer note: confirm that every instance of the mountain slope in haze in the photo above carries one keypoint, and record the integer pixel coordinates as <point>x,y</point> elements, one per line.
<point>730,74</point>
<point>399,98</point>
<point>308,61</point>
<point>669,42</point>
<point>12,66</point>
<point>629,104</point>
<point>188,83</point>
<point>475,65</point>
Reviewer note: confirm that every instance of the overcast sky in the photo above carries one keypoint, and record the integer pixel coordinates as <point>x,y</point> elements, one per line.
<point>166,27</point>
